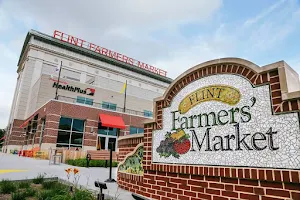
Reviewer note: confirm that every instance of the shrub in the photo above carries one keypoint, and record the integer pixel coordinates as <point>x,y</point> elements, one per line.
<point>7,187</point>
<point>39,179</point>
<point>46,194</point>
<point>29,192</point>
<point>24,184</point>
<point>82,195</point>
<point>93,163</point>
<point>62,197</point>
<point>49,184</point>
<point>17,196</point>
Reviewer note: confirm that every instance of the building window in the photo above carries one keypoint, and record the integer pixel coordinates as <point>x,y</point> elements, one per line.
<point>148,113</point>
<point>103,130</point>
<point>84,100</point>
<point>109,106</point>
<point>135,130</point>
<point>70,133</point>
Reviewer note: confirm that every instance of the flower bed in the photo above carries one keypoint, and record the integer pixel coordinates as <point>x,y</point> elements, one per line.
<point>41,188</point>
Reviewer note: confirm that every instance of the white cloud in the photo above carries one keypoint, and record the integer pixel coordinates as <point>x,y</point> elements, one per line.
<point>150,31</point>
<point>263,14</point>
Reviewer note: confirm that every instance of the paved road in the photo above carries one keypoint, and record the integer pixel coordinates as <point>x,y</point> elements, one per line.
<point>34,167</point>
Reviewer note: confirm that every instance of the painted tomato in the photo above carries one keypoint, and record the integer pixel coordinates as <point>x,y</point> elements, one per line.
<point>182,147</point>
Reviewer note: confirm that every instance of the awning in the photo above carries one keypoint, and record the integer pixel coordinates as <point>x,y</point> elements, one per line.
<point>112,121</point>
<point>27,121</point>
<point>3,138</point>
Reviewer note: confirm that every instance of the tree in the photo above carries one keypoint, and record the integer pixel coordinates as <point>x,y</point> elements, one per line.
<point>2,133</point>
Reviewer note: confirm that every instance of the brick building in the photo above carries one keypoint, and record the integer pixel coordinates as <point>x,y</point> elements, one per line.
<point>86,109</point>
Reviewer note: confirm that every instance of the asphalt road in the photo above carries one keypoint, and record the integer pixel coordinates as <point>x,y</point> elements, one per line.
<point>32,168</point>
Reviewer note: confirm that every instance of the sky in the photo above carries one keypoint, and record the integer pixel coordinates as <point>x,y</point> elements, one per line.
<point>168,35</point>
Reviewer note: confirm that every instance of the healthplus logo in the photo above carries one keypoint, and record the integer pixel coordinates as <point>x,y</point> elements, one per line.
<point>87,91</point>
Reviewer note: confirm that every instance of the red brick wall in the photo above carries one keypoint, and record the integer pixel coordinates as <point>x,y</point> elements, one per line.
<point>184,182</point>
<point>168,186</point>
<point>52,112</point>
<point>128,145</point>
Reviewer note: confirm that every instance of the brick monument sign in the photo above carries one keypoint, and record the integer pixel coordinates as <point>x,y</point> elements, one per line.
<point>225,129</point>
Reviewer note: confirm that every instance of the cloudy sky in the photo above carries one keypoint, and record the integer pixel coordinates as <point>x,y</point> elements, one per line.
<point>170,36</point>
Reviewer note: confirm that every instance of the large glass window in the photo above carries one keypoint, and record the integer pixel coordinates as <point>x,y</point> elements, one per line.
<point>103,130</point>
<point>109,106</point>
<point>148,113</point>
<point>84,100</point>
<point>136,130</point>
<point>70,133</point>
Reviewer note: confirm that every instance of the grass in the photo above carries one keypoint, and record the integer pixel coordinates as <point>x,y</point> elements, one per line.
<point>17,196</point>
<point>93,163</point>
<point>41,189</point>
<point>7,187</point>
<point>39,179</point>
<point>24,184</point>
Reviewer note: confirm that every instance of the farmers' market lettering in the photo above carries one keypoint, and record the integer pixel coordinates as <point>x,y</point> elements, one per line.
<point>219,143</point>
<point>231,116</point>
<point>231,142</point>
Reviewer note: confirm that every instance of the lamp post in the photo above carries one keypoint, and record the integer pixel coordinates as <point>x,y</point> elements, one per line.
<point>110,180</point>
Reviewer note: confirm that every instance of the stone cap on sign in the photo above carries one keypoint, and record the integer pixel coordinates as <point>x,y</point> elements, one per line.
<point>285,75</point>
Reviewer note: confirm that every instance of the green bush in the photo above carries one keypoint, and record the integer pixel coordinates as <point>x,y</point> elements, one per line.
<point>62,197</point>
<point>18,196</point>
<point>49,184</point>
<point>7,187</point>
<point>29,192</point>
<point>46,195</point>
<point>82,195</point>
<point>93,163</point>
<point>24,184</point>
<point>39,179</point>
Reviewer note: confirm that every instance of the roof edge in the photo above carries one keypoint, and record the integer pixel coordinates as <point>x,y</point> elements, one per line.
<point>50,40</point>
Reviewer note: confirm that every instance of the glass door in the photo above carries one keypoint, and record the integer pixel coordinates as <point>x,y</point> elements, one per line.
<point>101,143</point>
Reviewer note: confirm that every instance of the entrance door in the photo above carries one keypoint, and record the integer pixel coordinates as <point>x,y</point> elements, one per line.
<point>101,143</point>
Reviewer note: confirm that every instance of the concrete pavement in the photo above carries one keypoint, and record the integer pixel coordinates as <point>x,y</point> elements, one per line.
<point>34,167</point>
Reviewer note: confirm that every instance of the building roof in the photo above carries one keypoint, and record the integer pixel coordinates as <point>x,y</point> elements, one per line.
<point>56,42</point>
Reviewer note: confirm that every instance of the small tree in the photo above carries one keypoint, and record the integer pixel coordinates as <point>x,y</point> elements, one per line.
<point>2,133</point>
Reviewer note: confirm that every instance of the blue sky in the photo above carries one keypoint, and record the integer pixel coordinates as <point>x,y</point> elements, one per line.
<point>170,36</point>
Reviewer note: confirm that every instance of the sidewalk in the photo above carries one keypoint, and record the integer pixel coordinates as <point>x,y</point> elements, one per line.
<point>34,167</point>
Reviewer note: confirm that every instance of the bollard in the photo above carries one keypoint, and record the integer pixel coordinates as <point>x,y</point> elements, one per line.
<point>88,159</point>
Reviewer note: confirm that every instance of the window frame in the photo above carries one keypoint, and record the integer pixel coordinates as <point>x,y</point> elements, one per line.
<point>69,144</point>
<point>109,106</point>
<point>84,100</point>
<point>148,113</point>
<point>137,130</point>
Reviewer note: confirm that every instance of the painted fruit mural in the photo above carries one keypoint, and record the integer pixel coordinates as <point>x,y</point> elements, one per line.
<point>175,144</point>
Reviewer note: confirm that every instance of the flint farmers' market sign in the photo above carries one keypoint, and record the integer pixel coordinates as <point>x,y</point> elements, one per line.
<point>106,52</point>
<point>224,120</point>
